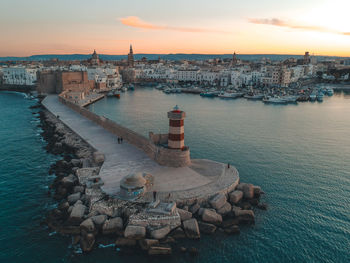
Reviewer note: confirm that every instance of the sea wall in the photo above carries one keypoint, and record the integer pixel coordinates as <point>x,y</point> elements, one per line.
<point>163,156</point>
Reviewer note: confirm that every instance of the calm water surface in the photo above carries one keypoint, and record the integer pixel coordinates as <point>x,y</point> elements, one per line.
<point>298,154</point>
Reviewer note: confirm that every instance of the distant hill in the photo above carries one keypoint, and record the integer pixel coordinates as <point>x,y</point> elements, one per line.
<point>156,56</point>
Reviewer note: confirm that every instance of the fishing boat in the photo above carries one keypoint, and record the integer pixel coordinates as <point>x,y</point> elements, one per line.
<point>274,100</point>
<point>208,94</point>
<point>290,98</point>
<point>313,96</point>
<point>229,95</point>
<point>320,96</point>
<point>329,91</point>
<point>252,96</point>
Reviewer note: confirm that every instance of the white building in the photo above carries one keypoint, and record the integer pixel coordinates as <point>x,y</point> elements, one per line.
<point>19,76</point>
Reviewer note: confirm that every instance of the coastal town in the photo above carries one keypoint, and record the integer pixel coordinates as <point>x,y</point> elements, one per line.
<point>272,81</point>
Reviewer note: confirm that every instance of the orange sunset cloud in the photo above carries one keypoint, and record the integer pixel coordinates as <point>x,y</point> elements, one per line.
<point>136,22</point>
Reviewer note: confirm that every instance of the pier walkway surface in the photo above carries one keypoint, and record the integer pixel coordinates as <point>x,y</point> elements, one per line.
<point>201,178</point>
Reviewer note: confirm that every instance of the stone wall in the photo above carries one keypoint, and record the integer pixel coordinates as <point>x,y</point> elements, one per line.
<point>163,156</point>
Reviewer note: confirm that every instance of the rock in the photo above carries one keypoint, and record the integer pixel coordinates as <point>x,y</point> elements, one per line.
<point>254,201</point>
<point>217,201</point>
<point>225,209</point>
<point>99,220</point>
<point>168,240</point>
<point>76,216</point>
<point>86,163</point>
<point>99,158</point>
<point>73,198</point>
<point>183,249</point>
<point>135,232</point>
<point>92,213</point>
<point>200,211</point>
<point>178,233</point>
<point>245,205</point>
<point>210,216</point>
<point>234,229</point>
<point>75,162</point>
<point>194,208</point>
<point>113,226</point>
<point>236,196</point>
<point>157,250</point>
<point>230,222</point>
<point>145,244</point>
<point>191,228</point>
<point>257,190</point>
<point>87,242</point>
<point>75,240</point>
<point>262,206</point>
<point>245,216</point>
<point>79,189</point>
<point>184,215</point>
<point>248,190</point>
<point>70,209</point>
<point>121,242</point>
<point>69,230</point>
<point>64,206</point>
<point>160,233</point>
<point>87,226</point>
<point>69,180</point>
<point>206,228</point>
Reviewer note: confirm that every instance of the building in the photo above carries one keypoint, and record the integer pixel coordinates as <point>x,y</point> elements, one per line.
<point>50,82</point>
<point>94,60</point>
<point>131,58</point>
<point>20,76</point>
<point>306,59</point>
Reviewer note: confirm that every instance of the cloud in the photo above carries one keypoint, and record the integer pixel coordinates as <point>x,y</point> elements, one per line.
<point>281,23</point>
<point>136,22</point>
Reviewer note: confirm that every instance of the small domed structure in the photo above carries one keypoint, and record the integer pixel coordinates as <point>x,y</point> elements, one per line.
<point>134,185</point>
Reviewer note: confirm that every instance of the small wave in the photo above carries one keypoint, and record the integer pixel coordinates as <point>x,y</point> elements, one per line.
<point>52,233</point>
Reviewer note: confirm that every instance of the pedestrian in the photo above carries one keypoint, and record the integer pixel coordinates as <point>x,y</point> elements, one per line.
<point>228,165</point>
<point>118,140</point>
<point>121,139</point>
<point>154,196</point>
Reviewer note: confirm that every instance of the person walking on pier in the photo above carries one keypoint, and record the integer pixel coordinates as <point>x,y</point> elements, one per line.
<point>121,139</point>
<point>118,140</point>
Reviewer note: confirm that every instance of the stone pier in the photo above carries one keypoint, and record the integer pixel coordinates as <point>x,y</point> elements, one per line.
<point>200,180</point>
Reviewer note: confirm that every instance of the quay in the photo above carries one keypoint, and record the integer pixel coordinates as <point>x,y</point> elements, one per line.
<point>199,180</point>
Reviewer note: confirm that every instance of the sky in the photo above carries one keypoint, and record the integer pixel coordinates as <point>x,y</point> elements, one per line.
<point>34,27</point>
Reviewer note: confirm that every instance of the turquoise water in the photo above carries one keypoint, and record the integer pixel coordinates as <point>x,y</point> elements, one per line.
<point>298,154</point>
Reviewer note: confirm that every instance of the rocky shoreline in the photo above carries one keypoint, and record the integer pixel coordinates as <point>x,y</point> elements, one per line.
<point>91,217</point>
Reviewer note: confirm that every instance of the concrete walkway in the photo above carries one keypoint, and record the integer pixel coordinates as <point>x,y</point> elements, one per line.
<point>124,159</point>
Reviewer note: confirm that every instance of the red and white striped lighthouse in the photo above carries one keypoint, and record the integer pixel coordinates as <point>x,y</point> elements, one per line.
<point>176,139</point>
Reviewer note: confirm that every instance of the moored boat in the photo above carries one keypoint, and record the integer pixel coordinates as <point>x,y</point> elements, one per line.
<point>274,100</point>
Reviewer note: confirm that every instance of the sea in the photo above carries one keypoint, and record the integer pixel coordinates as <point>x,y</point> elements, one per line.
<point>299,154</point>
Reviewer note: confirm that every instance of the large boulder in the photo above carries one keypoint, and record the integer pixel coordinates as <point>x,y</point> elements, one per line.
<point>73,198</point>
<point>245,216</point>
<point>236,196</point>
<point>234,229</point>
<point>184,215</point>
<point>99,220</point>
<point>194,208</point>
<point>145,244</point>
<point>248,190</point>
<point>79,189</point>
<point>160,233</point>
<point>206,228</point>
<point>225,209</point>
<point>191,228</point>
<point>113,226</point>
<point>99,157</point>
<point>77,214</point>
<point>135,232</point>
<point>217,201</point>
<point>178,233</point>
<point>158,250</point>
<point>69,180</point>
<point>211,216</point>
<point>87,226</point>
<point>87,242</point>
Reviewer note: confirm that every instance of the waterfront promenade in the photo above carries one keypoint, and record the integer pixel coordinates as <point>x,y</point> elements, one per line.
<point>202,178</point>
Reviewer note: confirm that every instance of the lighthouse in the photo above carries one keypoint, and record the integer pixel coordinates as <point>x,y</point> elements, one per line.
<point>176,138</point>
